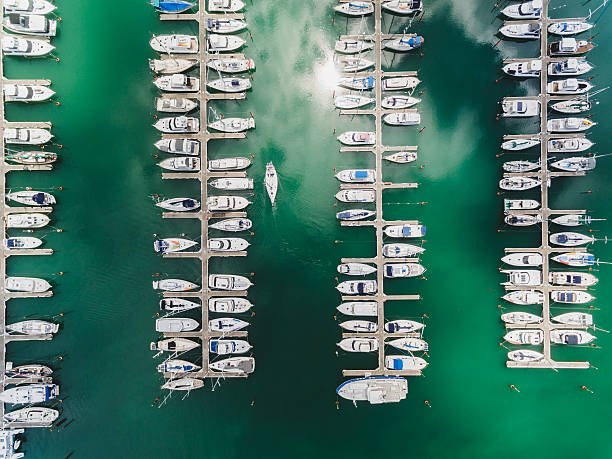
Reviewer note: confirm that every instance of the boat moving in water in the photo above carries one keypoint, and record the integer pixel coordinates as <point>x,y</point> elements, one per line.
<point>271,181</point>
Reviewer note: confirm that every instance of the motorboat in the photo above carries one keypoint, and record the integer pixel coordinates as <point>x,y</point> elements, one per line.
<point>32,415</point>
<point>227,324</point>
<point>521,166</point>
<point>227,244</point>
<point>405,363</point>
<point>575,164</point>
<point>31,198</point>
<point>568,86</point>
<point>31,157</point>
<point>229,346</point>
<point>522,277</point>
<point>571,337</point>
<point>523,69</point>
<point>26,284</point>
<point>179,204</point>
<point>177,82</point>
<point>355,8</point>
<point>523,259</point>
<point>358,344</point>
<point>357,176</point>
<point>239,365</point>
<point>225,6</point>
<point>359,326</point>
<point>26,47</point>
<point>402,157</point>
<point>520,318</point>
<point>174,345</point>
<point>175,366</point>
<point>375,390</point>
<point>404,43</point>
<point>569,125</point>
<point>22,242</point>
<point>179,146</point>
<point>232,224</point>
<point>271,182</point>
<point>174,285</point>
<point>520,144</point>
<point>357,83</point>
<point>356,195</point>
<point>175,44</point>
<point>404,7</point>
<point>528,31</point>
<point>355,214</point>
<point>354,64</point>
<point>401,250</point>
<point>26,93</point>
<point>33,327</point>
<point>576,259</point>
<point>171,65</point>
<point>181,164</point>
<point>519,183</point>
<point>233,305</point>
<point>403,326</point>
<point>175,104</point>
<point>222,43</point>
<point>172,245</point>
<point>177,305</point>
<point>230,282</point>
<point>523,220</point>
<point>392,270</point>
<point>520,108</point>
<point>175,325</point>
<point>530,337</point>
<point>27,370</point>
<point>405,230</point>
<point>30,220</point>
<point>356,269</point>
<point>27,136</point>
<point>570,239</point>
<point>233,124</point>
<point>525,10</point>
<point>182,384</point>
<point>569,145</point>
<point>524,297</point>
<point>526,355</point>
<point>178,125</point>
<point>569,27</point>
<point>226,203</point>
<point>231,64</point>
<point>30,394</point>
<point>576,319</point>
<point>572,278</point>
<point>359,308</point>
<point>171,6</point>
<point>400,83</point>
<point>230,85</point>
<point>232,183</point>
<point>520,204</point>
<point>409,344</point>
<point>9,444</point>
<point>223,25</point>
<point>402,119</point>
<point>350,46</point>
<point>571,296</point>
<point>30,24</point>
<point>569,47</point>
<point>349,101</point>
<point>228,164</point>
<point>569,67</point>
<point>399,102</point>
<point>357,138</point>
<point>361,287</point>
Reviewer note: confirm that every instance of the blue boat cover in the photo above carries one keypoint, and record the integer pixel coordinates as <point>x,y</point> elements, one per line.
<point>11,242</point>
<point>188,203</point>
<point>361,174</point>
<point>575,279</point>
<point>389,270</point>
<point>38,198</point>
<point>360,286</point>
<point>562,238</point>
<point>213,345</point>
<point>171,6</point>
<point>406,231</point>
<point>571,339</point>
<point>398,364</point>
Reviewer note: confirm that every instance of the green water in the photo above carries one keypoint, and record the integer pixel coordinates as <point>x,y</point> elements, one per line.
<point>108,173</point>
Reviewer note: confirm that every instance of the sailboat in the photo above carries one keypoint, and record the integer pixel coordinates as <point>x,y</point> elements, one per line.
<point>271,181</point>
<point>358,344</point>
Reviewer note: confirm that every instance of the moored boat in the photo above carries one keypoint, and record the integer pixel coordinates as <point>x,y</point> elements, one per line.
<point>183,384</point>
<point>175,44</point>
<point>392,270</point>
<point>227,244</point>
<point>33,327</point>
<point>402,118</point>
<point>358,344</point>
<point>238,365</point>
<point>401,250</point>
<point>230,85</point>
<point>175,104</point>
<point>576,259</point>
<point>171,65</point>
<point>31,157</point>
<point>174,345</point>
<point>572,278</point>
<point>233,305</point>
<point>179,204</point>
<point>228,164</point>
<point>518,183</point>
<point>231,64</point>
<point>351,64</point>
<point>359,326</point>
<point>172,245</point>
<point>174,285</point>
<point>359,308</point>
<point>227,324</point>
<point>224,26</point>
<point>356,269</point>
<point>520,318</point>
<point>575,164</point>
<point>356,195</point>
<point>354,214</point>
<point>571,296</point>
<point>27,136</point>
<point>355,8</point>
<point>26,93</point>
<point>526,355</point>
<point>569,47</point>
<point>409,344</point>
<point>404,43</point>
<point>375,390</point>
<point>30,394</point>
<point>22,242</point>
<point>181,163</point>
<point>522,277</point>
<point>524,69</point>
<point>178,124</point>
<point>570,239</point>
<point>31,198</point>
<point>171,6</point>
<point>176,366</point>
<point>29,220</point>
<point>225,6</point>
<point>216,43</point>
<point>523,31</point>
<point>179,146</point>
<point>232,183</point>
<point>228,346</point>
<point>233,224</point>
<point>349,101</point>
<point>361,287</point>
<point>37,415</point>
<point>26,284</point>
<point>523,220</point>
<point>571,337</point>
<point>520,204</point>
<point>229,282</point>
<point>523,259</point>
<point>569,67</point>
<point>403,326</point>
<point>357,176</point>
<point>226,203</point>
<point>400,83</point>
<point>524,297</point>
<point>357,138</point>
<point>405,230</point>
<point>233,124</point>
<point>30,24</point>
<point>177,304</point>
<point>520,144</point>
<point>177,82</point>
<point>26,47</point>
<point>576,319</point>
<point>405,363</point>
<point>175,325</point>
<point>351,46</point>
<point>569,27</point>
<point>399,102</point>
<point>403,7</point>
<point>530,337</point>
<point>520,166</point>
<point>517,108</point>
<point>526,10</point>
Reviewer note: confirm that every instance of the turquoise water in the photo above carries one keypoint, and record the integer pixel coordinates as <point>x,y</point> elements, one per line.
<point>108,174</point>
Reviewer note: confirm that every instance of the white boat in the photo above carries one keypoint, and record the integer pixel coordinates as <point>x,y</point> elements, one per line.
<point>570,239</point>
<point>358,344</point>
<point>177,82</point>
<point>569,47</point>
<point>402,157</point>
<point>181,163</point>
<point>523,220</point>
<point>26,93</point>
<point>409,344</point>
<point>401,250</point>
<point>361,287</point>
<point>357,176</point>
<point>233,224</point>
<point>569,67</point>
<point>403,6</point>
<point>37,415</point>
<point>375,390</point>
<point>520,108</point>
<point>31,198</point>
<point>175,104</point>
<point>524,69</point>
<point>228,164</point>
<point>26,284</point>
<point>171,65</point>
<point>569,145</point>
<point>179,146</point>
<point>238,365</point>
<point>575,164</point>
<point>226,203</point>
<point>357,83</point>
<point>359,326</point>
<point>175,44</point>
<point>174,285</point>
<point>171,245</point>
<point>356,195</point>
<point>392,270</point>
<point>350,46</point>
<point>571,337</point>
<point>518,183</point>
<point>177,305</point>
<point>174,345</point>
<point>33,327</point>
<point>31,157</point>
<point>522,277</point>
<point>354,64</point>
<point>524,297</point>
<point>525,10</point>
<point>223,25</point>
<point>527,31</point>
<point>359,308</point>
<point>355,8</point>
<point>572,106</point>
<point>222,43</point>
<point>402,119</point>
<point>22,242</point>
<point>530,337</point>
<point>227,244</point>
<point>568,86</point>
<point>29,394</point>
<point>405,230</point>
<point>233,305</point>
<point>520,144</point>
<point>175,325</point>
<point>30,24</point>
<point>576,319</point>
<point>271,181</point>
<point>29,220</point>
<point>230,85</point>
<point>228,346</point>
<point>232,183</point>
<point>175,366</point>
<point>400,83</point>
<point>520,166</point>
<point>179,204</point>
<point>576,259</point>
<point>233,124</point>
<point>569,125</point>
<point>357,138</point>
<point>520,204</point>
<point>571,296</point>
<point>227,324</point>
<point>225,6</point>
<point>27,47</point>
<point>183,384</point>
<point>230,282</point>
<point>231,64</point>
<point>520,318</point>
<point>403,326</point>
<point>399,102</point>
<point>27,136</point>
<point>405,363</point>
<point>572,278</point>
<point>569,27</point>
<point>178,125</point>
<point>526,355</point>
<point>355,214</point>
<point>349,101</point>
<point>356,269</point>
<point>404,43</point>
<point>523,259</point>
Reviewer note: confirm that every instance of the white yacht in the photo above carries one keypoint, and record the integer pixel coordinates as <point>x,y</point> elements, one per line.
<point>522,220</point>
<point>34,415</point>
<point>174,345</point>
<point>520,318</point>
<point>33,327</point>
<point>409,344</point>
<point>355,8</point>
<point>355,214</point>
<point>22,242</point>
<point>351,64</point>
<point>576,319</point>
<point>524,31</point>
<point>41,7</point>
<point>520,204</point>
<point>399,102</point>
<point>231,64</point>
<point>359,308</point>
<point>525,10</point>
<point>26,93</point>
<point>181,164</point>
<point>230,85</point>
<point>171,65</point>
<point>404,43</point>
<point>228,164</point>
<point>531,337</point>
<point>357,138</point>
<point>519,183</point>
<point>523,69</point>
<point>233,305</point>
<point>356,269</point>
<point>222,43</point>
<point>175,366</point>
<point>31,157</point>
<point>520,144</point>
<point>26,284</point>
<point>178,125</point>
<point>179,204</point>
<point>569,27</point>
<point>392,270</point>
<point>569,67</point>
<point>526,355</point>
<point>177,82</point>
<point>228,346</point>
<point>356,195</point>
<point>224,26</point>
<point>520,108</point>
<point>177,305</point>
<point>31,198</point>
<point>233,124</point>
<point>571,337</point>
<point>524,297</point>
<point>30,24</point>
<point>175,44</point>
<point>575,164</point>
<point>361,287</point>
<point>521,166</point>
<point>358,344</point>
<point>569,124</point>
<point>29,394</point>
<point>179,146</point>
<point>227,324</point>
<point>227,244</point>
<point>229,282</point>
<point>523,259</point>
<point>234,365</point>
<point>348,101</point>
<point>400,83</point>
<point>405,230</point>
<point>182,384</point>
<point>174,285</point>
<point>172,244</point>
<point>232,183</point>
<point>225,6</point>
<point>522,277</point>
<point>569,47</point>
<point>175,325</point>
<point>351,46</point>
<point>226,203</point>
<point>405,363</point>
<point>357,176</point>
<point>29,220</point>
<point>232,224</point>
<point>569,145</point>
<point>403,7</point>
<point>175,104</point>
<point>27,136</point>
<point>571,296</point>
<point>402,119</point>
<point>569,86</point>
<point>401,250</point>
<point>572,278</point>
<point>403,326</point>
<point>375,390</point>
<point>359,326</point>
<point>27,47</point>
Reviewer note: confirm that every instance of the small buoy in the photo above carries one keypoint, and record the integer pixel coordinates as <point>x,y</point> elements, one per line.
<point>156,156</point>
<point>57,103</point>
<point>422,167</point>
<point>60,188</point>
<point>156,195</point>
<point>252,274</point>
<point>57,59</point>
<point>59,230</point>
<point>252,233</point>
<point>156,274</point>
<point>60,145</point>
<point>61,273</point>
<point>335,204</point>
